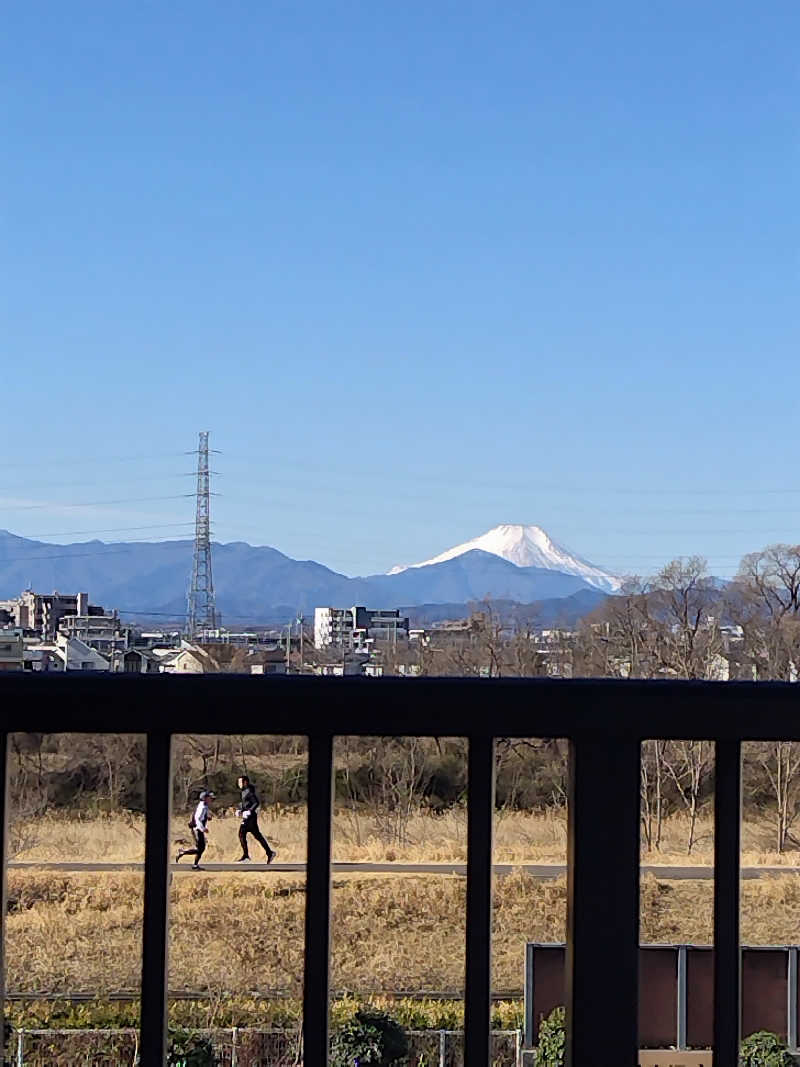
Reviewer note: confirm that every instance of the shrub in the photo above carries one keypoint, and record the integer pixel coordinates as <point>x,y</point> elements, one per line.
<point>764,1049</point>
<point>190,1050</point>
<point>552,1039</point>
<point>370,1037</point>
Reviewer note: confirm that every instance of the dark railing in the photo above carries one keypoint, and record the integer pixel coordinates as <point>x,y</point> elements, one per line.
<point>605,722</point>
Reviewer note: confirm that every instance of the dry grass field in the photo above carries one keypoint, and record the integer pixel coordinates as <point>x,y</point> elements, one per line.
<point>232,934</point>
<point>242,932</point>
<point>520,837</point>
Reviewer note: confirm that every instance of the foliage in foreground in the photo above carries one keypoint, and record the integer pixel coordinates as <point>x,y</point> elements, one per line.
<point>190,1050</point>
<point>370,1037</point>
<point>552,1040</point>
<point>761,1049</point>
<point>764,1049</point>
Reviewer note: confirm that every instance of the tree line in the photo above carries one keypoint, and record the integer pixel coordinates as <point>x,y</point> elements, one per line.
<point>392,779</point>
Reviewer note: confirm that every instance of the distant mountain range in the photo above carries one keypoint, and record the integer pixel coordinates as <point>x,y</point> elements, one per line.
<point>565,611</point>
<point>260,584</point>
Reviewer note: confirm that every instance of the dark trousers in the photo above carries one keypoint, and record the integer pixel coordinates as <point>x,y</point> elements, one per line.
<point>249,825</point>
<point>199,845</point>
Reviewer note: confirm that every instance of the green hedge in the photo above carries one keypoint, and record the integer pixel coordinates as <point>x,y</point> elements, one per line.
<point>226,1012</point>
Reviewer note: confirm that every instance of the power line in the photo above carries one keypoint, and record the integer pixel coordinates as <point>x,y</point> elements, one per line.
<point>110,550</point>
<point>25,487</point>
<point>457,478</point>
<point>56,505</point>
<point>110,529</point>
<point>64,461</point>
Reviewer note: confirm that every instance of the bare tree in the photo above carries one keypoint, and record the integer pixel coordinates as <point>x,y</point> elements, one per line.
<point>688,764</point>
<point>780,761</point>
<point>765,602</point>
<point>618,639</point>
<point>686,603</point>
<point>652,792</point>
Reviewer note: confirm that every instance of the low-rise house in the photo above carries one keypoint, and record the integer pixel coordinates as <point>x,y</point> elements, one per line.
<point>270,668</point>
<point>63,654</point>
<point>79,656</point>
<point>351,666</point>
<point>188,659</point>
<point>136,661</point>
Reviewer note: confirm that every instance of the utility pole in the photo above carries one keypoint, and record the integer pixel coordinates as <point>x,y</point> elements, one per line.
<point>201,608</point>
<point>300,624</point>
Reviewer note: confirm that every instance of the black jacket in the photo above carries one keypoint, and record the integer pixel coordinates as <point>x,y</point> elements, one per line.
<point>249,805</point>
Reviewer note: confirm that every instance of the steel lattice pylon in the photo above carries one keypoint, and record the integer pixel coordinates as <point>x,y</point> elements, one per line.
<point>201,613</point>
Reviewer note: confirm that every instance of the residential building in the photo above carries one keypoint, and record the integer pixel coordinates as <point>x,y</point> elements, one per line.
<point>80,656</point>
<point>135,661</point>
<point>101,632</point>
<point>62,654</point>
<point>270,663</point>
<point>188,659</point>
<point>11,650</point>
<point>41,613</point>
<point>351,666</point>
<point>457,633</point>
<point>357,627</point>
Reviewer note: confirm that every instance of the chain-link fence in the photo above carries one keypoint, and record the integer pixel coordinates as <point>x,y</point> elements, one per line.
<point>236,1048</point>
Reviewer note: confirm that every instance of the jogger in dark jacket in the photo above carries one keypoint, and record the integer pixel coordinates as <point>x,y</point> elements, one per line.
<point>248,812</point>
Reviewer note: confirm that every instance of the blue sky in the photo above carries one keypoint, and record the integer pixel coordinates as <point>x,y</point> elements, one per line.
<point>420,269</point>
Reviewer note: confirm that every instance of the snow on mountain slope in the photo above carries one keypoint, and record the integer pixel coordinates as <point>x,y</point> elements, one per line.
<point>527,546</point>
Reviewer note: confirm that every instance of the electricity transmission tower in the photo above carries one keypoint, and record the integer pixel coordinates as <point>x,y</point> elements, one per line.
<point>201,612</point>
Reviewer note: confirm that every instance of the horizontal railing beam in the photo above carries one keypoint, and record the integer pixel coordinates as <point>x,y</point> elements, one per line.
<point>530,707</point>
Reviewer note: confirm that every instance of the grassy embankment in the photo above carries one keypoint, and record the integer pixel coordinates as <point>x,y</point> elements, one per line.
<point>233,934</point>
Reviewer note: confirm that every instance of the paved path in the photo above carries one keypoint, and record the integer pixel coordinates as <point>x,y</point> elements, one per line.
<point>535,870</point>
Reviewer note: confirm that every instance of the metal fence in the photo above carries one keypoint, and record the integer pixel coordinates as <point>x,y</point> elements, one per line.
<point>605,722</point>
<point>676,992</point>
<point>238,1047</point>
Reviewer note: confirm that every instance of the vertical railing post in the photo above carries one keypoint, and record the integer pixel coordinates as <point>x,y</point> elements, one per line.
<point>480,822</point>
<point>318,901</point>
<point>727,953</point>
<point>791,998</point>
<point>156,899</point>
<point>602,961</point>
<point>530,1021</point>
<point>683,1000</point>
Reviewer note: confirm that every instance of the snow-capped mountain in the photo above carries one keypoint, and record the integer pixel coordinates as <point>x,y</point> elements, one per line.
<point>527,546</point>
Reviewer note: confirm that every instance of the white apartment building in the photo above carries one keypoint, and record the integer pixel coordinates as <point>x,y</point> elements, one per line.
<point>357,627</point>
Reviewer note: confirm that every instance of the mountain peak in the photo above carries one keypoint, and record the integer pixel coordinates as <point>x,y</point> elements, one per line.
<point>527,546</point>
